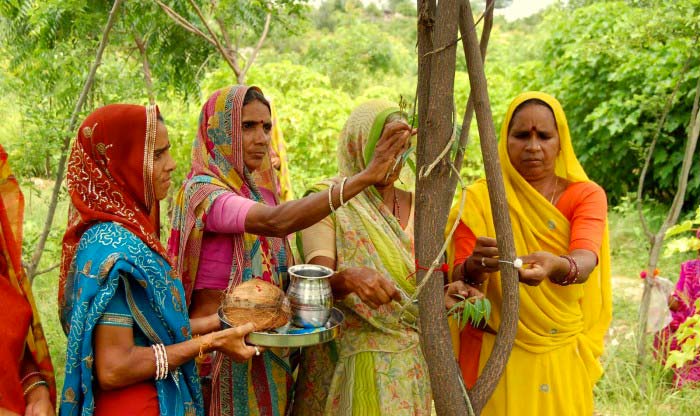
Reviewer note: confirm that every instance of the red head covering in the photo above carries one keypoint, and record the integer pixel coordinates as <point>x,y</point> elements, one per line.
<point>109,178</point>
<point>22,327</point>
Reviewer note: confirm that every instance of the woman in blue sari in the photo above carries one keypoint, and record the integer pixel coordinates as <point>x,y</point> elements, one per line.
<point>130,342</point>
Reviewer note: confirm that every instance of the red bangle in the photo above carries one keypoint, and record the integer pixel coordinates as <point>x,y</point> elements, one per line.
<point>29,375</point>
<point>573,274</point>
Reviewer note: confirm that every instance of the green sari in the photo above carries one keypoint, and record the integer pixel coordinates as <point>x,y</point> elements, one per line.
<point>376,365</point>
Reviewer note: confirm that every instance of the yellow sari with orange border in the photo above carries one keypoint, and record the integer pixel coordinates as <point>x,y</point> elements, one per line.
<point>554,363</point>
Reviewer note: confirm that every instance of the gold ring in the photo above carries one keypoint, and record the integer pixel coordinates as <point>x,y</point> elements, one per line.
<point>483,264</point>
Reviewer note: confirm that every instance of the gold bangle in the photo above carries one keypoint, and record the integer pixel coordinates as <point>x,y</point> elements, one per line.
<point>202,346</point>
<point>35,385</point>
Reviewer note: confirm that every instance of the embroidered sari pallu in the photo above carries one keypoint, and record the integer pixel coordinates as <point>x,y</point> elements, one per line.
<point>108,253</point>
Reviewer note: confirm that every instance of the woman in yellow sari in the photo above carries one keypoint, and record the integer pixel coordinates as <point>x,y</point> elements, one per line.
<point>560,230</point>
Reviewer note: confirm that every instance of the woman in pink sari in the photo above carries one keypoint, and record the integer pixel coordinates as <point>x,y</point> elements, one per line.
<point>683,304</point>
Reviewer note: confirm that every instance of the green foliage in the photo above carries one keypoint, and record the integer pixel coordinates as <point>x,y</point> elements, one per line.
<point>688,338</point>
<point>683,239</point>
<point>356,53</point>
<point>626,389</point>
<point>475,311</point>
<point>613,66</point>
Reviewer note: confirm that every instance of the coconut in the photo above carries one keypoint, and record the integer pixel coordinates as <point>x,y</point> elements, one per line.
<point>259,302</point>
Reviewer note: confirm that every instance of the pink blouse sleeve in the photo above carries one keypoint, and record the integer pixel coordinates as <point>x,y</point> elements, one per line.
<point>227,214</point>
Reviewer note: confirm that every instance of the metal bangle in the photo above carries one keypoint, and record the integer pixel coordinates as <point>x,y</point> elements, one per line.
<point>35,385</point>
<point>342,189</point>
<point>29,375</point>
<point>165,360</point>
<point>330,197</point>
<point>573,275</point>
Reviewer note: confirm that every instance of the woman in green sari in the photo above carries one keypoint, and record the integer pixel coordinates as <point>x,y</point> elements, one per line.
<point>376,365</point>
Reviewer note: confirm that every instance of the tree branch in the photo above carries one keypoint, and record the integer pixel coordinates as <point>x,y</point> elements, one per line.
<point>650,152</point>
<point>251,59</point>
<point>227,42</point>
<point>36,256</point>
<point>491,374</point>
<point>148,80</point>
<point>184,23</point>
<point>469,111</point>
<point>214,37</point>
<point>487,11</point>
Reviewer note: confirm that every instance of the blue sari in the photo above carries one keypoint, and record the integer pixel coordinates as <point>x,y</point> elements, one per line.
<point>106,254</point>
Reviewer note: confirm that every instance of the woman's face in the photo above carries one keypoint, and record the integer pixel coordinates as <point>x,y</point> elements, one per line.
<point>163,163</point>
<point>256,124</point>
<point>533,142</point>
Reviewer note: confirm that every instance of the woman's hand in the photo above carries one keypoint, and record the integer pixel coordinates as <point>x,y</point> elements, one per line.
<point>389,147</point>
<point>462,289</point>
<point>39,403</point>
<point>372,288</point>
<point>231,342</point>
<point>543,265</point>
<point>484,259</point>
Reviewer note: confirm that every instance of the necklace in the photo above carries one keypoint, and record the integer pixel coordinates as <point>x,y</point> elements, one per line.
<point>396,210</point>
<point>554,191</point>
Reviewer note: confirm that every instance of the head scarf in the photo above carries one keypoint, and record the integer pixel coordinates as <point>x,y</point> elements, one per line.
<point>109,178</point>
<point>279,146</point>
<point>584,310</point>
<point>218,167</point>
<point>11,218</point>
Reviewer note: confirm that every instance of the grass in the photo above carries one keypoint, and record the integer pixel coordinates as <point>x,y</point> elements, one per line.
<point>624,388</point>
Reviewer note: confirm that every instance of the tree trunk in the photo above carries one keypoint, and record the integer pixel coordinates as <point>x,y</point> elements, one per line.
<point>493,370</point>
<point>437,27</point>
<point>38,251</point>
<point>434,190</point>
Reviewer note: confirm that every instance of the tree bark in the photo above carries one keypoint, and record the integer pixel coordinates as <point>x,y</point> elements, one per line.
<point>493,370</point>
<point>38,251</point>
<point>671,218</point>
<point>437,27</point>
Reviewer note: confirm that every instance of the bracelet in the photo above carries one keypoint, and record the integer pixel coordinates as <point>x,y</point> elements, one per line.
<point>161,361</point>
<point>156,353</point>
<point>573,274</point>
<point>28,376</point>
<point>467,279</point>
<point>202,347</point>
<point>342,189</point>
<point>166,368</point>
<point>35,385</point>
<point>330,197</point>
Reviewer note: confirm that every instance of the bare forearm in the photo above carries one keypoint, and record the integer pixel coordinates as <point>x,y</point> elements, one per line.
<point>586,261</point>
<point>205,324</point>
<point>296,215</point>
<point>137,364</point>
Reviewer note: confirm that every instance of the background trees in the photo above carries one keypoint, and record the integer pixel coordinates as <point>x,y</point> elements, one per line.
<point>613,66</point>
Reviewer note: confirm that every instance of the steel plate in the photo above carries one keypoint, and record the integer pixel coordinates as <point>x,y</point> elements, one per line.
<point>292,336</point>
